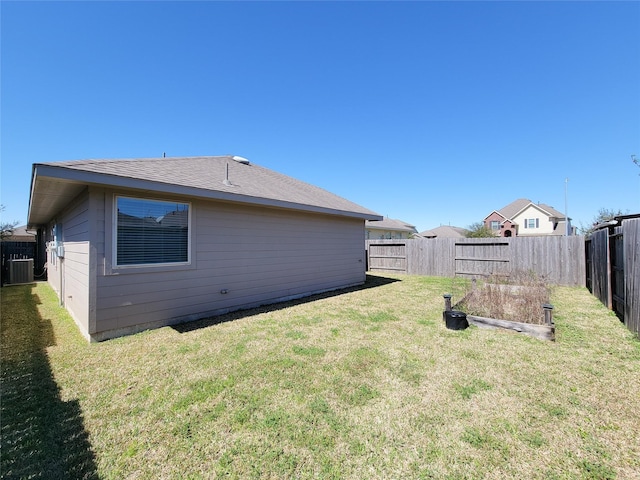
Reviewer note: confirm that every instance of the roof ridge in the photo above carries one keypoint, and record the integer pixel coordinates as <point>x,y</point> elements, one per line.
<point>132,159</point>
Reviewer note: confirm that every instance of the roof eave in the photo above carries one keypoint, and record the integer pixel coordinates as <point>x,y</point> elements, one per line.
<point>80,177</point>
<point>495,211</point>
<point>369,227</point>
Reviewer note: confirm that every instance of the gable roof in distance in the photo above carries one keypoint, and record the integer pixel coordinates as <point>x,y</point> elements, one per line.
<point>515,207</point>
<point>445,231</point>
<point>390,224</point>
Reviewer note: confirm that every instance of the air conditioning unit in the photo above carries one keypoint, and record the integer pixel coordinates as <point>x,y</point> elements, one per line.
<point>21,271</point>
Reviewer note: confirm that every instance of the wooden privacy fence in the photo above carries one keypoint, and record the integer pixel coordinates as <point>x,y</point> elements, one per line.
<point>390,256</point>
<point>613,269</point>
<point>559,260</point>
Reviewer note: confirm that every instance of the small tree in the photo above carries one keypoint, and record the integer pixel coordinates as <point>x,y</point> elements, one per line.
<point>6,229</point>
<point>479,230</point>
<point>604,215</point>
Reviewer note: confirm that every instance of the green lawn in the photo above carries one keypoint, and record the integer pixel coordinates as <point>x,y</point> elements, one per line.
<point>366,384</point>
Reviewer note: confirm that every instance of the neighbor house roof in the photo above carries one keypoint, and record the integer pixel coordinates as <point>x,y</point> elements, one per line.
<point>226,178</point>
<point>515,207</point>
<point>20,234</point>
<point>509,211</point>
<point>390,224</point>
<point>445,231</point>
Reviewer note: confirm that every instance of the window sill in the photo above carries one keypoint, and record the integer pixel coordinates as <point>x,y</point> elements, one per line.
<point>142,269</point>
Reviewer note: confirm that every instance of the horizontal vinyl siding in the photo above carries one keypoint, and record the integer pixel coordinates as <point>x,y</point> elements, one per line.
<point>101,225</point>
<point>258,255</point>
<point>75,264</point>
<point>545,226</point>
<point>75,268</point>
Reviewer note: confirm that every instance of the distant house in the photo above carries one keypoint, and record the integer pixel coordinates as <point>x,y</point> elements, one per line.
<point>21,234</point>
<point>525,218</point>
<point>134,244</point>
<point>388,228</point>
<point>445,231</point>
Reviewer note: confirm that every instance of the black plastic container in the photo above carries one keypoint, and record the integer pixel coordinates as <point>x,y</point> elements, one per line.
<point>455,320</point>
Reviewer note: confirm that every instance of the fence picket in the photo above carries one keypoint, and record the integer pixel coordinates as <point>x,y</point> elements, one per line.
<point>560,260</point>
<point>631,248</point>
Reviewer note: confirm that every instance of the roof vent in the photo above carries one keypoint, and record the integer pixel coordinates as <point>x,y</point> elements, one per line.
<point>242,160</point>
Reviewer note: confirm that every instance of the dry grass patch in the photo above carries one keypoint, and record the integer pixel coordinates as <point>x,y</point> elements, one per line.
<point>364,384</point>
<point>517,298</point>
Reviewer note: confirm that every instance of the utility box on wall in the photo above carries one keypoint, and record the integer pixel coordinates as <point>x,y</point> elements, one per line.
<point>21,271</point>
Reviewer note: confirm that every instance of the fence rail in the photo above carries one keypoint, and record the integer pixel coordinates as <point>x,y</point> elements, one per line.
<point>388,256</point>
<point>559,260</point>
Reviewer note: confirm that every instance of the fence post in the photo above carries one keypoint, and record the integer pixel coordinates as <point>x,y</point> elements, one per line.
<point>447,301</point>
<point>548,313</point>
<point>447,306</point>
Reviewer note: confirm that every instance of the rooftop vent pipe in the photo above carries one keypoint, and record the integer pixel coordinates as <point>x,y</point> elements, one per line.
<point>226,180</point>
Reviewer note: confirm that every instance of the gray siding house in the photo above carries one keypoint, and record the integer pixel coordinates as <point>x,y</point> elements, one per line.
<point>134,244</point>
<point>388,229</point>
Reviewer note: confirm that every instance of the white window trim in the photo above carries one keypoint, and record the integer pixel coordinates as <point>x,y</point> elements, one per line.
<point>140,266</point>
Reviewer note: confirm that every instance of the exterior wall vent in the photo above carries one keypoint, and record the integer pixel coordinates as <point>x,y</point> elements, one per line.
<point>21,271</point>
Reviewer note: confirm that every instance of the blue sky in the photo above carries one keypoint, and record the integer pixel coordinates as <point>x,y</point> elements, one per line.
<point>429,112</point>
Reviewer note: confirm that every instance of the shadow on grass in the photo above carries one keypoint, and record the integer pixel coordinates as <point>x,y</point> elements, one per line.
<point>370,282</point>
<point>42,435</point>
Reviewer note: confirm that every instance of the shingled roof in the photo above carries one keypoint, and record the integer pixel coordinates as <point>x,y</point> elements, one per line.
<point>227,178</point>
<point>511,210</point>
<point>445,231</point>
<point>21,234</point>
<point>390,224</point>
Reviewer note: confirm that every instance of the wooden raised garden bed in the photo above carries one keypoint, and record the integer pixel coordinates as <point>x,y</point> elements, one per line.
<point>515,302</point>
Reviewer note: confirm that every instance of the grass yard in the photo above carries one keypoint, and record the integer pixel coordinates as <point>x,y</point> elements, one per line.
<point>367,384</point>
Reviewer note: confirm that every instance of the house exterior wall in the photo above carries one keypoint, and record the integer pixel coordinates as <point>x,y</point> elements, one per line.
<point>53,269</point>
<point>376,234</point>
<point>509,229</point>
<point>545,226</point>
<point>494,217</point>
<point>69,274</point>
<point>241,257</point>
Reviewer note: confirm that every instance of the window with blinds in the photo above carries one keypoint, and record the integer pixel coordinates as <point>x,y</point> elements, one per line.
<point>151,232</point>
